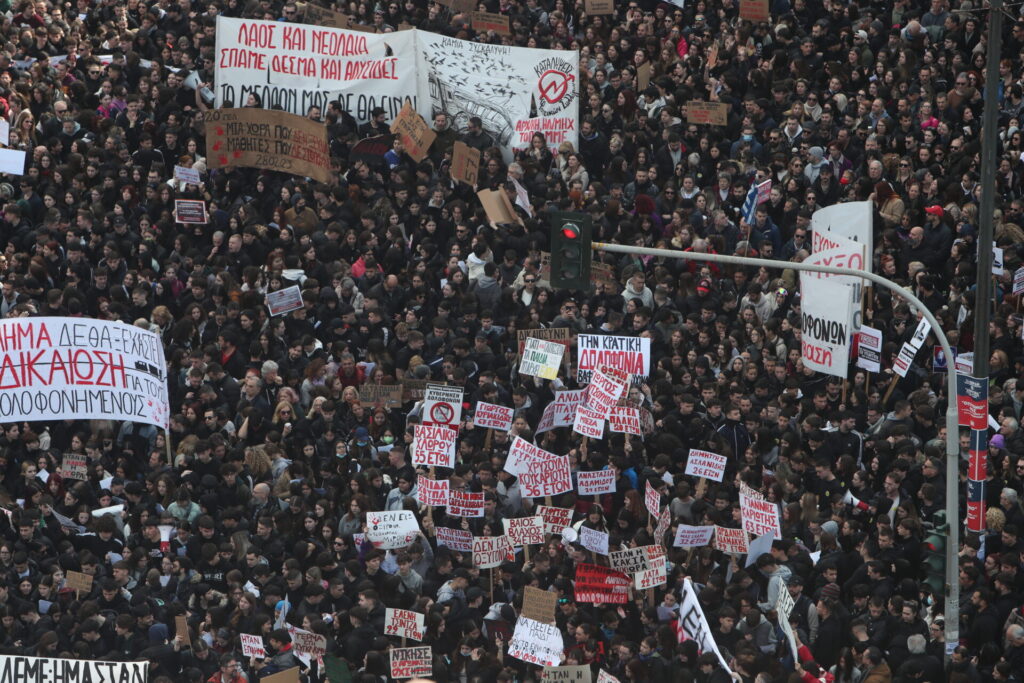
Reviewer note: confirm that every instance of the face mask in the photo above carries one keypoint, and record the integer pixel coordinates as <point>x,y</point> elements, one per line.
<point>748,138</point>
<point>389,439</point>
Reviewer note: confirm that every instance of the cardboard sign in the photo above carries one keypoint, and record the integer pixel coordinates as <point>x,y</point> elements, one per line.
<point>267,139</point>
<point>456,539</point>
<point>498,207</point>
<point>707,113</point>
<point>566,674</point>
<point>287,676</point>
<point>415,389</point>
<point>74,466</point>
<point>412,662</point>
<point>416,134</point>
<point>605,390</point>
<point>601,273</point>
<point>442,405</point>
<point>458,6</point>
<point>489,21</point>
<point>755,10</point>
<point>731,541</point>
<point>491,551</point>
<point>693,536</point>
<point>432,492</point>
<point>536,642</point>
<point>385,396</point>
<point>560,335</point>
<point>595,483</point>
<point>869,349</point>
<point>706,464</point>
<point>434,445</point>
<point>465,163</point>
<point>525,530</point>
<point>465,504</point>
<point>539,605</point>
<point>760,516</point>
<point>78,582</point>
<point>562,411</point>
<point>643,75</point>
<point>188,175</point>
<point>589,423</point>
<point>630,355</point>
<point>541,358</point>
<point>664,519</point>
<point>594,540</point>
<point>598,585</point>
<point>491,416</point>
<point>284,300</point>
<point>181,629</point>
<point>652,499</point>
<point>252,645</point>
<point>322,16</point>
<point>391,530</point>
<point>635,560</point>
<point>594,8</point>
<point>625,420</point>
<point>555,519</point>
<point>403,623</point>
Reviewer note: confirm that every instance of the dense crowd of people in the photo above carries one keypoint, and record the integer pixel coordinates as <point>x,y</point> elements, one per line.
<point>277,463</point>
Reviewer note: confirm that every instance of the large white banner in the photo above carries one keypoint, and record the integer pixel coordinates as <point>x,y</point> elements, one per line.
<point>853,220</point>
<point>44,669</point>
<point>833,249</point>
<point>297,66</point>
<point>695,625</point>
<point>826,324</point>
<point>630,355</point>
<point>77,368</point>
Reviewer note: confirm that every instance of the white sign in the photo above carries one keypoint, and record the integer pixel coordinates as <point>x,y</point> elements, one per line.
<point>625,420</point>
<point>432,492</point>
<point>403,623</point>
<point>826,325</point>
<point>491,416</point>
<point>706,465</point>
<point>522,454</point>
<point>630,355</point>
<point>651,578</point>
<point>920,334</point>
<point>635,560</point>
<point>456,539</point>
<point>391,530</point>
<point>604,392</point>
<point>594,540</point>
<point>252,645</point>
<point>284,300</point>
<point>541,358</point>
<point>562,411</point>
<point>187,175</point>
<point>997,260</point>
<point>760,516</point>
<point>555,519</point>
<point>595,483</point>
<point>490,551</point>
<point>12,161</point>
<point>536,643</point>
<point>694,624</point>
<point>589,423</point>
<point>434,445</point>
<point>465,504</point>
<point>853,220</point>
<point>869,349</point>
<point>442,404</point>
<point>901,364</point>
<point>784,607</point>
<point>693,536</point>
<point>525,530</point>
<point>81,369</point>
<point>1018,281</point>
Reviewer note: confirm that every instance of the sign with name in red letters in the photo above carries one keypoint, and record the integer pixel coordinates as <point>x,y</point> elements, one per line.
<point>595,483</point>
<point>589,423</point>
<point>555,519</point>
<point>411,662</point>
<point>522,454</point>
<point>403,623</point>
<point>434,445</point>
<point>562,411</point>
<point>546,478</point>
<point>760,516</point>
<point>525,530</point>
<point>597,584</point>
<point>252,645</point>
<point>432,492</point>
<point>606,388</point>
<point>706,464</point>
<point>491,416</point>
<point>625,420</point>
<point>491,551</point>
<point>731,541</point>
<point>652,499</point>
<point>465,504</point>
<point>456,539</point>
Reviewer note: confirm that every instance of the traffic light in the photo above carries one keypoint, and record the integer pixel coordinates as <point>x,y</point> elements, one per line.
<point>935,555</point>
<point>570,251</point>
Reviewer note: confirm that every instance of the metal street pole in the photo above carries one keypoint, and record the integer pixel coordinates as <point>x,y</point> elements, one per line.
<point>952,603</point>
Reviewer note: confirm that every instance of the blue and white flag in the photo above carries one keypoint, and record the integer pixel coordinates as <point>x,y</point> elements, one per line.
<point>757,194</point>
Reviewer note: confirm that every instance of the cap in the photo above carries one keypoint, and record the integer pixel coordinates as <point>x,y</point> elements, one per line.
<point>796,580</point>
<point>361,436</point>
<point>862,34</point>
<point>934,210</point>
<point>704,286</point>
<point>474,593</point>
<point>831,591</point>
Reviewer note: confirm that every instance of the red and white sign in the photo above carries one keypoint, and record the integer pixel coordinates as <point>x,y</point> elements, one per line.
<point>456,539</point>
<point>190,211</point>
<point>252,645</point>
<point>491,416</point>
<point>434,445</point>
<point>826,325</point>
<point>605,390</point>
<point>442,405</point>
<point>546,478</point>
<point>651,578</point>
<point>597,584</point>
<point>555,519</point>
<point>731,541</point>
<point>562,411</point>
<point>307,643</point>
<point>760,516</point>
<point>594,540</point>
<point>391,530</point>
<point>588,423</point>
<point>403,623</point>
<point>432,492</point>
<point>525,530</point>
<point>693,536</point>
<point>490,551</point>
<point>595,483</point>
<point>625,420</point>
<point>902,362</point>
<point>465,504</point>
<point>523,454</point>
<point>412,662</point>
<point>869,349</point>
<point>652,499</point>
<point>706,465</point>
<point>284,300</point>
<point>630,355</point>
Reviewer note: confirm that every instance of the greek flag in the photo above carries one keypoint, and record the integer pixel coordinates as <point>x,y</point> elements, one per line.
<point>756,195</point>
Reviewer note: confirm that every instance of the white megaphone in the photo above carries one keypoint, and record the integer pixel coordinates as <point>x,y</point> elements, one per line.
<point>569,535</point>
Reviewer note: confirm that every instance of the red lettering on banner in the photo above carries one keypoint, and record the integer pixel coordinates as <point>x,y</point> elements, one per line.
<point>815,354</point>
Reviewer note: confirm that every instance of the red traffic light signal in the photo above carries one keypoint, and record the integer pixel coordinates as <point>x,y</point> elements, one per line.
<point>570,231</point>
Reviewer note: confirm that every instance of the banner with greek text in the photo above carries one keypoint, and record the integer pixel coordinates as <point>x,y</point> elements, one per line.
<point>694,624</point>
<point>826,325</point>
<point>45,669</point>
<point>81,369</point>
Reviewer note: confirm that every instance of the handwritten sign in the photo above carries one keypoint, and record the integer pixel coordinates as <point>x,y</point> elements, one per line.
<point>525,530</point>
<point>432,492</point>
<point>755,10</point>
<point>555,519</point>
<point>284,300</point>
<point>78,582</point>
<point>490,21</point>
<point>693,536</point>
<point>465,163</point>
<point>541,358</point>
<point>731,541</point>
<point>434,445</point>
<point>760,516</point>
<point>380,395</point>
<point>625,420</point>
<point>456,539</point>
<point>589,423</point>
<point>566,674</point>
<point>465,504</point>
<point>322,16</point>
<point>74,466</point>
<point>498,207</point>
<point>598,584</point>
<point>594,540</point>
<point>706,464</point>
<point>712,113</point>
<point>605,389</point>
<point>491,416</point>
<point>411,662</point>
<point>267,139</point>
<point>416,135</point>
<point>391,530</point>
<point>652,499</point>
<point>595,483</point>
<point>539,605</point>
<point>536,643</point>
<point>635,560</point>
<point>252,645</point>
<point>490,551</point>
<point>403,623</point>
<point>596,7</point>
<point>187,175</point>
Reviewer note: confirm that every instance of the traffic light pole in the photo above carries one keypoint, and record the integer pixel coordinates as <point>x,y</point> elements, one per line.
<point>952,597</point>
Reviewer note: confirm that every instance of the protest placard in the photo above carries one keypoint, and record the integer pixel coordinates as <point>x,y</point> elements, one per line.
<point>187,175</point>
<point>588,423</point>
<point>434,445</point>
<point>650,578</point>
<point>731,541</point>
<point>555,519</point>
<point>755,10</point>
<point>392,529</point>
<point>706,464</point>
<point>593,540</point>
<point>536,643</point>
<point>252,645</point>
<point>643,75</point>
<point>322,16</point>
<point>869,349</point>
<point>541,358</point>
<point>595,483</point>
<point>625,420</point>
<point>605,390</point>
<point>491,21</point>
<point>693,536</point>
<point>694,624</point>
<point>525,530</point>
<point>784,607</point>
<point>190,211</point>
<point>546,478</point>
<point>598,584</point>
<point>539,605</point>
<point>522,454</point>
<point>403,623</point>
<point>385,396</point>
<point>267,139</point>
<point>498,207</point>
<point>594,8</point>
<point>432,492</point>
<point>287,676</point>
<point>630,355</point>
<point>74,466</point>
<point>24,669</point>
<point>635,560</point>
<point>760,516</point>
<point>456,539</point>
<point>566,674</point>
<point>605,677</point>
<point>465,163</point>
<point>826,325</point>
<point>442,405</point>
<point>312,645</point>
<point>707,113</point>
<point>562,411</point>
<point>416,135</point>
<point>652,499</point>
<point>559,335</point>
<point>284,300</point>
<point>491,416</point>
<point>337,670</point>
<point>181,629</point>
<point>411,662</point>
<point>415,389</point>
<point>490,551</point>
<point>465,504</point>
<point>78,582</point>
